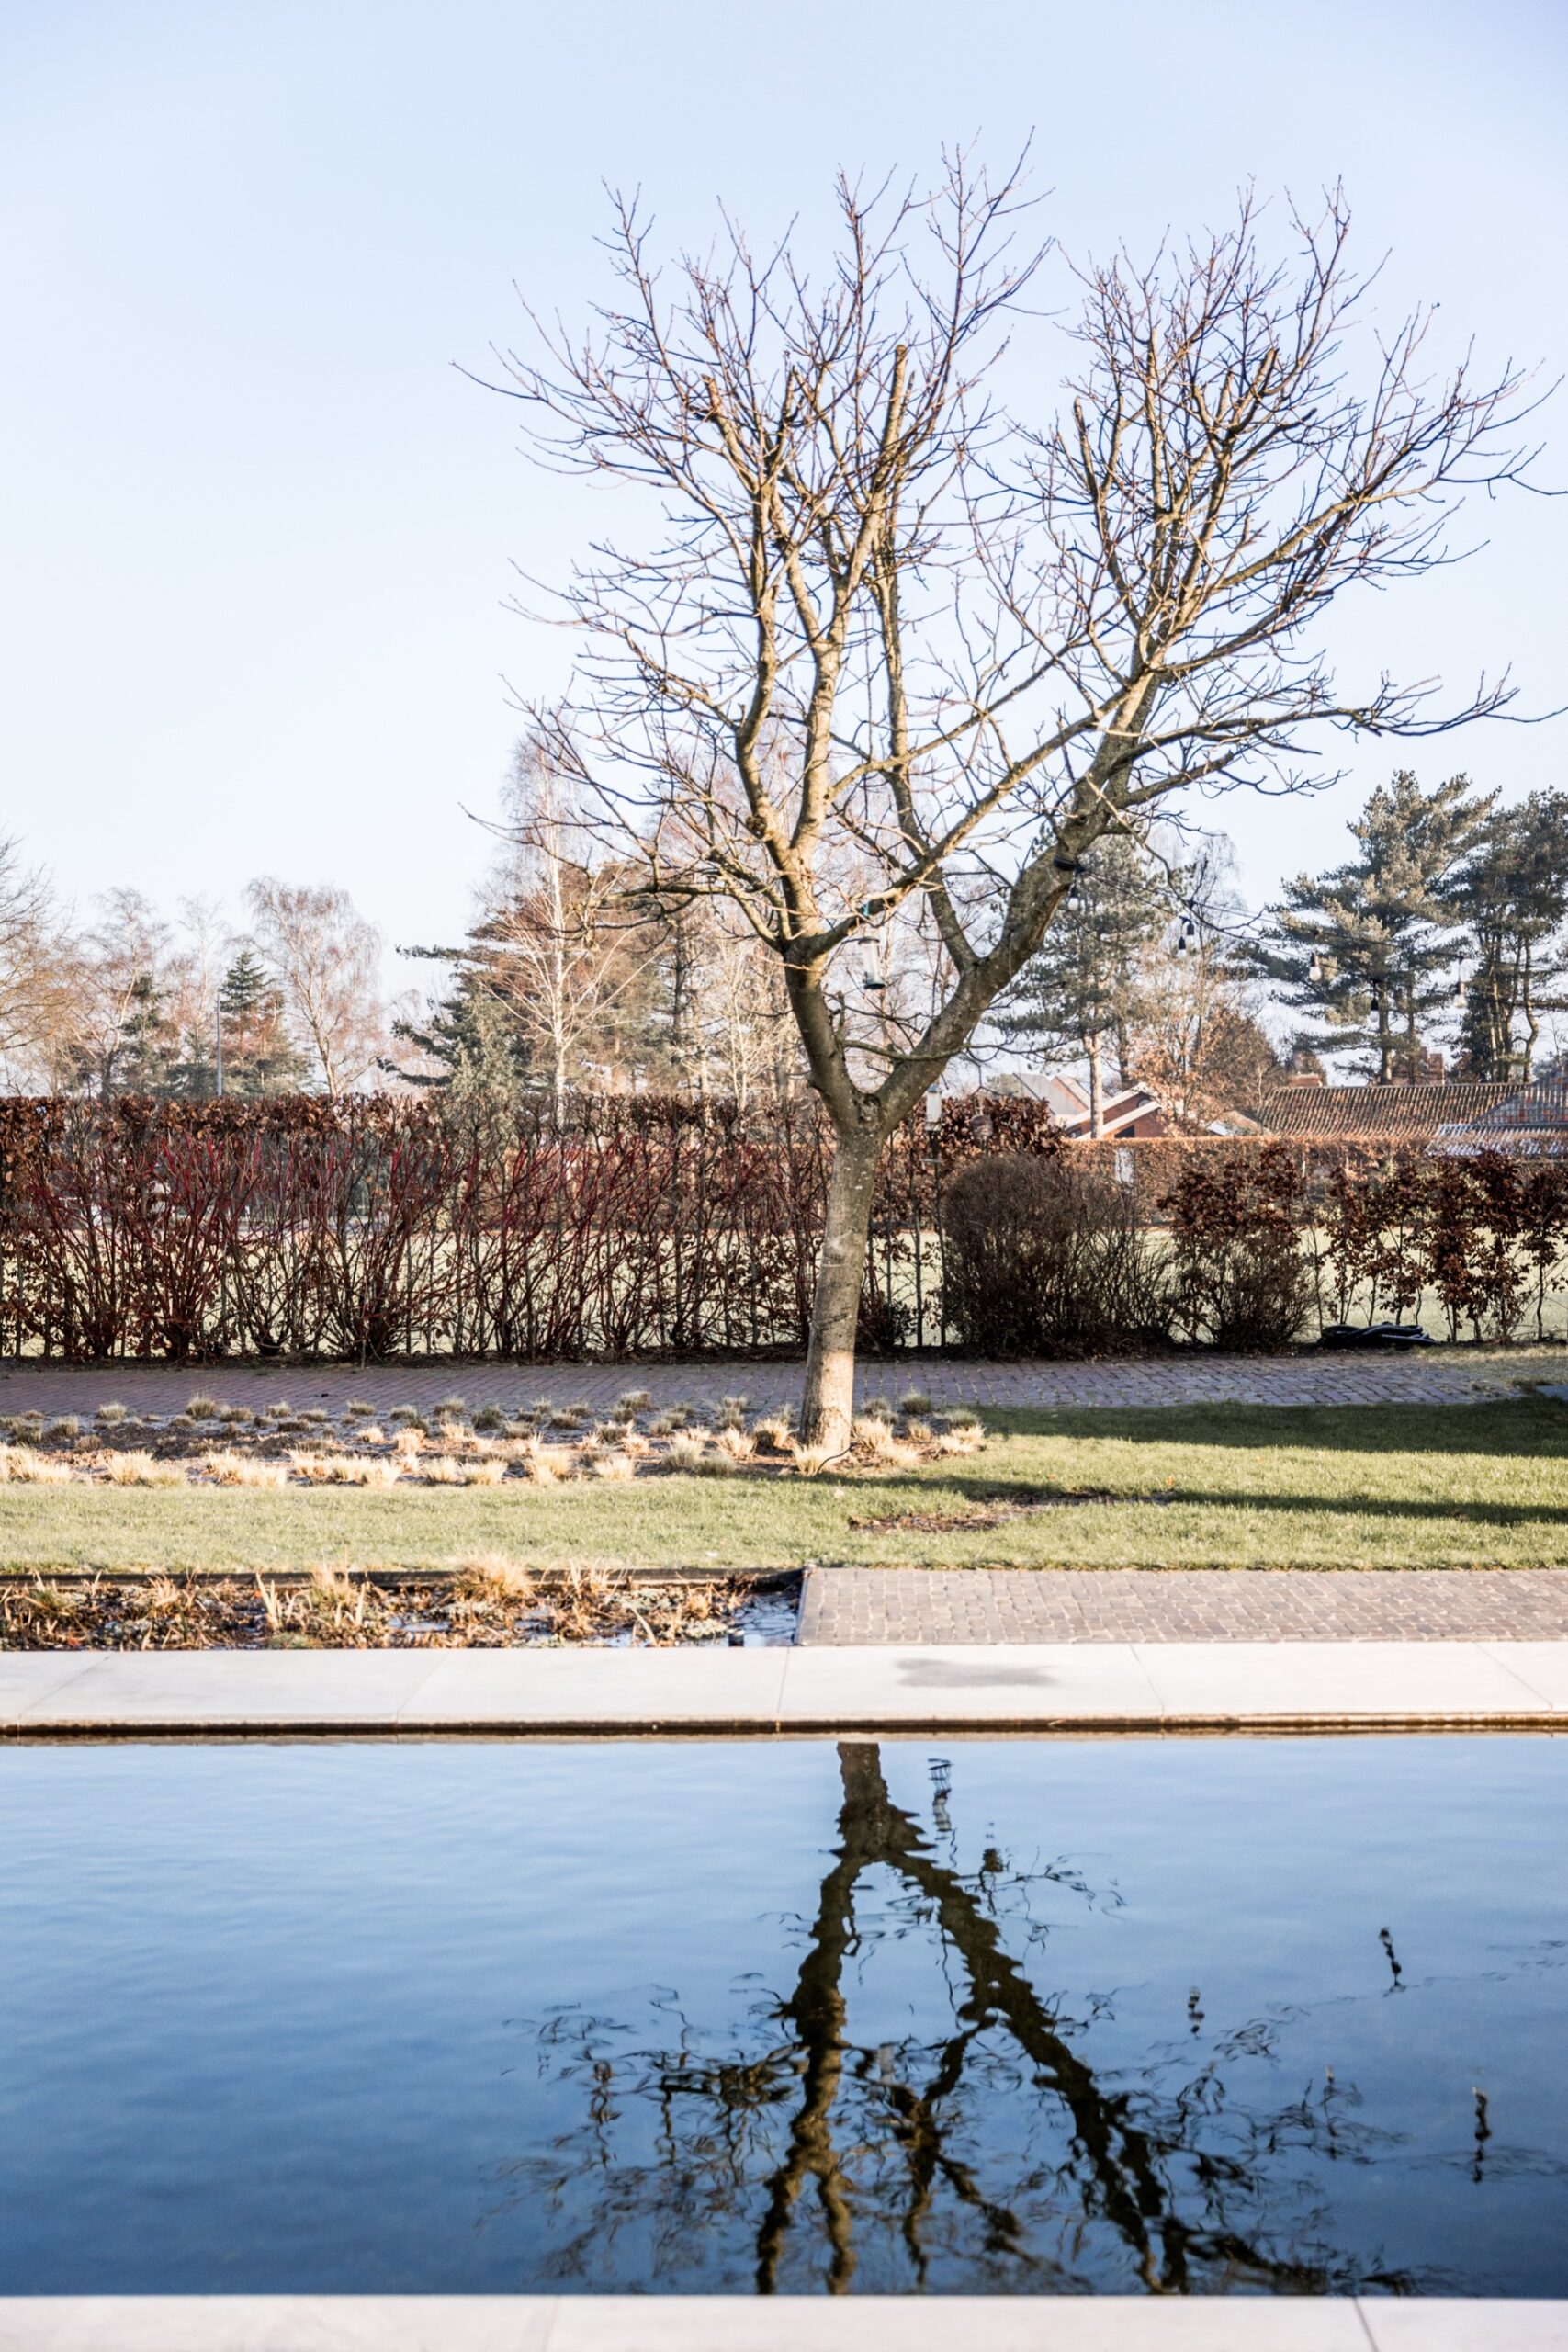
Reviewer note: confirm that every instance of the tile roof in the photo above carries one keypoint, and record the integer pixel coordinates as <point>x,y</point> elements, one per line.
<point>1411,1112</point>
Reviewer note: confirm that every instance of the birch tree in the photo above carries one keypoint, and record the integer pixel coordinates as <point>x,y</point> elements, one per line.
<point>326,960</point>
<point>876,627</point>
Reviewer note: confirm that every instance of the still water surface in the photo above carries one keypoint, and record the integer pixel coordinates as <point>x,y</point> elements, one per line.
<point>977,2017</point>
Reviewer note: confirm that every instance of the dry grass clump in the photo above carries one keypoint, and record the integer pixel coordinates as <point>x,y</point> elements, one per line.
<point>810,1461</point>
<point>962,1417</point>
<point>65,1426</point>
<point>615,1465</point>
<point>918,1431</point>
<point>915,1400</point>
<point>407,1417</point>
<point>489,1417</point>
<point>236,1416</point>
<point>685,1450</point>
<point>772,1432</point>
<point>738,1442</point>
<point>230,1469</point>
<point>359,1408</point>
<point>871,1434</point>
<point>632,1401</point>
<point>332,1608</point>
<point>111,1414</point>
<point>341,1470</point>
<point>138,1469</point>
<point>963,1440</point>
<point>491,1577</point>
<point>202,1408</point>
<point>445,1470</point>
<point>22,1466</point>
<point>543,1465</point>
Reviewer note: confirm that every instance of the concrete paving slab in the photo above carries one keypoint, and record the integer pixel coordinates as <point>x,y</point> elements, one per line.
<point>233,1688</point>
<point>938,2323</point>
<point>276,2323</point>
<point>1151,1686</point>
<point>711,2323</point>
<point>1259,1679</point>
<point>1450,2325</point>
<point>1542,1664</point>
<point>1022,1683</point>
<point>29,1675</point>
<point>633,1688</point>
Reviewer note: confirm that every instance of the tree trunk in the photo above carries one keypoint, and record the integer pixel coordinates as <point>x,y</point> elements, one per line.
<point>1095,1090</point>
<point>828,1405</point>
<point>1532,1026</point>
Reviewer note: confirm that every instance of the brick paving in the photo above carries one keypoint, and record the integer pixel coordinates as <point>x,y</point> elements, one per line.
<point>912,1607</point>
<point>1305,1379</point>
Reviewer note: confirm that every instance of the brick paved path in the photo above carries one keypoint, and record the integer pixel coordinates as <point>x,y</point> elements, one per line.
<point>910,1606</point>
<point>1239,1380</point>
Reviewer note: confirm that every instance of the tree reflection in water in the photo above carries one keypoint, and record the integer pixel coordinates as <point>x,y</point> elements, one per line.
<point>994,2156</point>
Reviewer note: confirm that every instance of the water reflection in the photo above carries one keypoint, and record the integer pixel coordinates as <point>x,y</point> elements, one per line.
<point>998,2149</point>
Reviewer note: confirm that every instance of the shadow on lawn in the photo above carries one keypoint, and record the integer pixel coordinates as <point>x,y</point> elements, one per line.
<point>1523,1426</point>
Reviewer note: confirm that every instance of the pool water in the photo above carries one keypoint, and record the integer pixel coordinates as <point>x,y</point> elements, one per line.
<point>1012,2017</point>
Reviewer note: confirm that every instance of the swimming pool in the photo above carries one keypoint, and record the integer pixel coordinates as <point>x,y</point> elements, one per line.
<point>956,2016</point>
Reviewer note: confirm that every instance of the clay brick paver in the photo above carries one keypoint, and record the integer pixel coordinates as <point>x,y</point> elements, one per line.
<point>1232,1380</point>
<point>911,1607</point>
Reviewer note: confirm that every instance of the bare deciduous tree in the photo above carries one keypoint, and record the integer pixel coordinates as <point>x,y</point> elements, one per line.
<point>327,960</point>
<point>883,631</point>
<point>38,970</point>
<point>566,950</point>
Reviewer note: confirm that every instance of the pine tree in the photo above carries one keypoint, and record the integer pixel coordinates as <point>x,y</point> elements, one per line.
<point>471,1035</point>
<point>147,1062</point>
<point>1079,995</point>
<point>1361,946</point>
<point>259,1055</point>
<point>1511,893</point>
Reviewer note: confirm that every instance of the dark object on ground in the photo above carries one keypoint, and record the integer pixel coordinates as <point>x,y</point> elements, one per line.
<point>1375,1335</point>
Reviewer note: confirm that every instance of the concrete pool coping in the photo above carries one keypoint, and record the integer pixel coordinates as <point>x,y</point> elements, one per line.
<point>781,2323</point>
<point>1065,1687</point>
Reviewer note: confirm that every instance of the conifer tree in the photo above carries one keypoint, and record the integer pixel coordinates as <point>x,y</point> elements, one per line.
<point>1080,995</point>
<point>1361,948</point>
<point>1511,893</point>
<point>259,1055</point>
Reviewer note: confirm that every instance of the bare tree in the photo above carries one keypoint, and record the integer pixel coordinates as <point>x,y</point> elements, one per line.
<point>327,960</point>
<point>122,1038</point>
<point>568,953</point>
<point>882,629</point>
<point>38,974</point>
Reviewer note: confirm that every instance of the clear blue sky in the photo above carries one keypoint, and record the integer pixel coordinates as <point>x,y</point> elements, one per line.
<point>257,530</point>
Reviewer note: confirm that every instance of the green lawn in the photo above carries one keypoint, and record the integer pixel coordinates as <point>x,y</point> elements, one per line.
<point>1245,1487</point>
